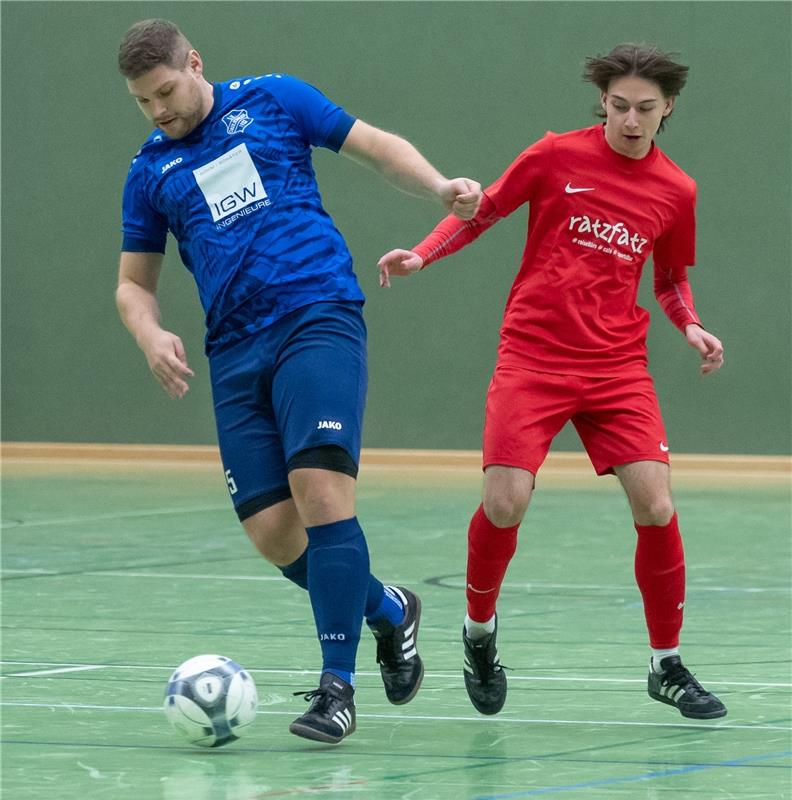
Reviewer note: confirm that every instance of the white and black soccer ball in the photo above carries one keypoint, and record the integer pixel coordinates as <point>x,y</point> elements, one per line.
<point>210,700</point>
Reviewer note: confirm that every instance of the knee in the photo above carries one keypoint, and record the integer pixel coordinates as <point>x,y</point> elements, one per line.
<point>505,509</point>
<point>276,537</point>
<point>322,496</point>
<point>265,537</point>
<point>654,511</point>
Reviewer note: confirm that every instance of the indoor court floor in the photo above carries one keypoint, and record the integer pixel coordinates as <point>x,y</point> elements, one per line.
<point>116,571</point>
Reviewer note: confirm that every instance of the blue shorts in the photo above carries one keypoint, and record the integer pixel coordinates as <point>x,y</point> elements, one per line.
<point>298,384</point>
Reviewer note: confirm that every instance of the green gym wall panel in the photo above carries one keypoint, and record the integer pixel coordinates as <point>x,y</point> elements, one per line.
<point>471,84</point>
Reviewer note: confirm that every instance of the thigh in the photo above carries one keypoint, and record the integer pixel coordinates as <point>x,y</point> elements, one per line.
<point>647,485</point>
<point>320,380</point>
<point>620,422</point>
<point>250,443</point>
<point>525,411</point>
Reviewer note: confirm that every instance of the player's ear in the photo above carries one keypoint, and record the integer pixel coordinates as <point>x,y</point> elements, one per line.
<point>604,101</point>
<point>669,106</point>
<point>195,63</point>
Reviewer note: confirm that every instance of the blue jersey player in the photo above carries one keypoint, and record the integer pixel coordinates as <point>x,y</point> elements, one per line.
<point>228,172</point>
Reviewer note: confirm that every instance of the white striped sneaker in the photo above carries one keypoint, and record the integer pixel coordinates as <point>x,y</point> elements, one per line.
<point>397,650</point>
<point>677,687</point>
<point>331,715</point>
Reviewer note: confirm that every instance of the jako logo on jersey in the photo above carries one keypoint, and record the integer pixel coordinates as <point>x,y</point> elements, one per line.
<point>237,120</point>
<point>170,164</point>
<point>232,186</point>
<point>332,637</point>
<point>608,232</point>
<point>329,423</point>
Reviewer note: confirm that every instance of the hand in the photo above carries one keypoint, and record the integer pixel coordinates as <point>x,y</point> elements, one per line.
<point>709,347</point>
<point>462,197</point>
<point>167,359</point>
<point>398,262</point>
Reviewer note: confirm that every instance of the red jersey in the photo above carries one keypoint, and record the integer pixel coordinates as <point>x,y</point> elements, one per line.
<point>595,216</point>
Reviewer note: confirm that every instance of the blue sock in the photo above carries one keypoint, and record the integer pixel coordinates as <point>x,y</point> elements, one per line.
<point>380,605</point>
<point>338,579</point>
<point>349,677</point>
<point>297,571</point>
<point>390,611</point>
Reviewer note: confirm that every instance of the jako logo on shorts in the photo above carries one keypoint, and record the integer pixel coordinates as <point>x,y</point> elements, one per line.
<point>329,423</point>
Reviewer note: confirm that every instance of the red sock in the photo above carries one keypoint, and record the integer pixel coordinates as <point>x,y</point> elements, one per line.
<point>490,549</point>
<point>660,573</point>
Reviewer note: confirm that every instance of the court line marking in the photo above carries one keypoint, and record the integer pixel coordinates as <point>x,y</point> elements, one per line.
<point>125,574</point>
<point>665,773</point>
<point>432,718</point>
<point>146,512</point>
<point>36,673</point>
<point>364,674</point>
<point>520,586</point>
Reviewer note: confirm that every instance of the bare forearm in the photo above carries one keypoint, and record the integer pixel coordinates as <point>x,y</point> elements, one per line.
<point>139,310</point>
<point>400,163</point>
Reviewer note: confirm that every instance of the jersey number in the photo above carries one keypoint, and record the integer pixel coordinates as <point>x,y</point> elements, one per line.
<point>232,487</point>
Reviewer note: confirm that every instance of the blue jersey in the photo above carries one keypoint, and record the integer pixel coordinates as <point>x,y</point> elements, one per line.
<point>240,196</point>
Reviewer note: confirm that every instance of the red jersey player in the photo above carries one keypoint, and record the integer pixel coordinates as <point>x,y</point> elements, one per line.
<point>573,347</point>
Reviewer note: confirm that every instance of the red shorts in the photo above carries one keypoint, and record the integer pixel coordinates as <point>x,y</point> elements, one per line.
<point>618,419</point>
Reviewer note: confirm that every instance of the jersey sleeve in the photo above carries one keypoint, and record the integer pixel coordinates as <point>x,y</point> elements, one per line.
<point>522,179</point>
<point>145,229</point>
<point>673,293</point>
<point>322,122</point>
<point>452,233</point>
<point>676,247</point>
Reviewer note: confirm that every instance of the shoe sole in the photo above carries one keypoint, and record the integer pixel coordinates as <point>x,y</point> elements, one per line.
<point>306,732</point>
<point>418,683</point>
<point>688,714</point>
<point>490,711</point>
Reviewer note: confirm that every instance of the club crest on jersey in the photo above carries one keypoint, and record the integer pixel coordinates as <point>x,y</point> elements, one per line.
<point>237,120</point>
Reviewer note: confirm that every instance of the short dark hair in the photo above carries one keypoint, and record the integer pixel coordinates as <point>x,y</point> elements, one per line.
<point>644,61</point>
<point>149,43</point>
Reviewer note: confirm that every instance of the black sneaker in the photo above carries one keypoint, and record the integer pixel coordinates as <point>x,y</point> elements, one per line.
<point>400,665</point>
<point>485,679</point>
<point>331,715</point>
<point>677,687</point>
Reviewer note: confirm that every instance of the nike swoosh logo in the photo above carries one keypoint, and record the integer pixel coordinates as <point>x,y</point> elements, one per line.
<point>569,190</point>
<point>480,591</point>
<point>664,447</point>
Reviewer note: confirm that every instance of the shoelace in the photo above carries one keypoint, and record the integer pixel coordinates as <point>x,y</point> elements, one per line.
<point>485,664</point>
<point>322,696</point>
<point>679,675</point>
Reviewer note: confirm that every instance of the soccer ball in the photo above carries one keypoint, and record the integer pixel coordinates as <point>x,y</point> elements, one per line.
<point>210,700</point>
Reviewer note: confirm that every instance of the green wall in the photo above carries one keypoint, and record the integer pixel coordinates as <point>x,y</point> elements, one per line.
<point>471,84</point>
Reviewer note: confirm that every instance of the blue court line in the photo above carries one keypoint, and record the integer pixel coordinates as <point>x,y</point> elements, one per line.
<point>666,773</point>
